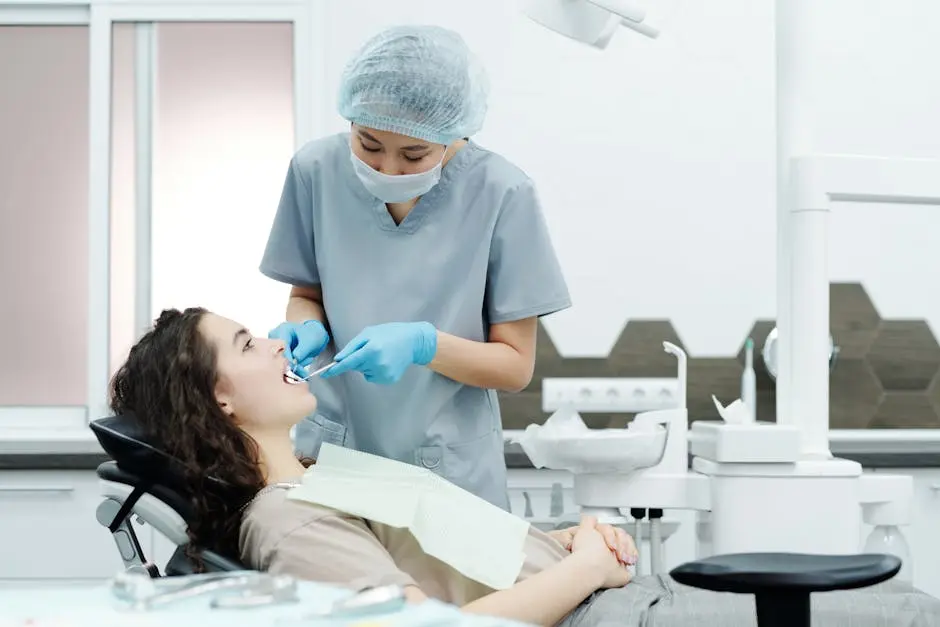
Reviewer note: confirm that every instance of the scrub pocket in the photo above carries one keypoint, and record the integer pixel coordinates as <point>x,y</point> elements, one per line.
<point>461,458</point>
<point>475,465</point>
<point>314,431</point>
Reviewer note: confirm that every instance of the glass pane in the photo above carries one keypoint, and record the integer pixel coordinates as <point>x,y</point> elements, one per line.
<point>223,140</point>
<point>44,214</point>
<point>123,162</point>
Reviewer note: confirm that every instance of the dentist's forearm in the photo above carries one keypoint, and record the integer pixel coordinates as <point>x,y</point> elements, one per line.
<point>300,309</point>
<point>489,365</point>
<point>306,304</point>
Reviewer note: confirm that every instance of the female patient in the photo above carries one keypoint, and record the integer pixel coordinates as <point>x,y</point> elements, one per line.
<point>216,399</point>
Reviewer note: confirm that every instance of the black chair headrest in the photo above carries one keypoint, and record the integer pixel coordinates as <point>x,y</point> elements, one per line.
<point>123,439</point>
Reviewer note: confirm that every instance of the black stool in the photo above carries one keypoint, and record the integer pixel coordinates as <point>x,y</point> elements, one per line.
<point>782,582</point>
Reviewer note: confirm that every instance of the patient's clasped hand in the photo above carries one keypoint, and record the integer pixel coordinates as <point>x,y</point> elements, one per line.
<point>444,519</point>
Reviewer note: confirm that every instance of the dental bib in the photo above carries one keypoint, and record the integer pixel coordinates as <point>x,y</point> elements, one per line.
<point>473,536</point>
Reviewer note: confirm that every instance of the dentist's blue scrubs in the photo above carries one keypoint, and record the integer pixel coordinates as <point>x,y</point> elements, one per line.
<point>474,251</point>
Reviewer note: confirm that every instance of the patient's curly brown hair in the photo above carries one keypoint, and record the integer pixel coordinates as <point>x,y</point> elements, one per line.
<point>168,383</point>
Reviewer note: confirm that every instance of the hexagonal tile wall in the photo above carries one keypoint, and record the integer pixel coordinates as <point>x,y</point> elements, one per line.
<point>913,339</point>
<point>886,375</point>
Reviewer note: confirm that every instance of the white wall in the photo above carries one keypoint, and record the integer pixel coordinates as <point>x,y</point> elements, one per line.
<point>873,88</point>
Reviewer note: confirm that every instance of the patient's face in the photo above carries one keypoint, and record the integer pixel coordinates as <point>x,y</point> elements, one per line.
<point>251,385</point>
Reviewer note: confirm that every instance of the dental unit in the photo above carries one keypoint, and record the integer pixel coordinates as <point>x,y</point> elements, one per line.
<point>750,482</point>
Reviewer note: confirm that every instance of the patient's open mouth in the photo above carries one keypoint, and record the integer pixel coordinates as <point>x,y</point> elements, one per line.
<point>289,376</point>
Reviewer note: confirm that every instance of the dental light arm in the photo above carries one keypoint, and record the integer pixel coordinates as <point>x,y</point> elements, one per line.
<point>623,8</point>
<point>592,22</point>
<point>640,27</point>
<point>631,16</point>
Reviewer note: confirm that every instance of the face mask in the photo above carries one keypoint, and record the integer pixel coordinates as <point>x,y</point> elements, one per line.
<point>396,188</point>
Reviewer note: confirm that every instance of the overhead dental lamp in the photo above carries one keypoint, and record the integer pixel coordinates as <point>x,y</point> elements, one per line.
<point>592,22</point>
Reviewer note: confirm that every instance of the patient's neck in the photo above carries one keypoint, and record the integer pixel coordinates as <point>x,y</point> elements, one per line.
<point>278,461</point>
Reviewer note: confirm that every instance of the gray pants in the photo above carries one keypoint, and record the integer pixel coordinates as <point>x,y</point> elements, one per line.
<point>662,602</point>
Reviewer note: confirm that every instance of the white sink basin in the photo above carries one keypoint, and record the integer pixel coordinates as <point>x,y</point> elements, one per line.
<point>607,451</point>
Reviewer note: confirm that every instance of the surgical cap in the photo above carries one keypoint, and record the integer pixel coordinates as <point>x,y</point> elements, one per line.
<point>420,81</point>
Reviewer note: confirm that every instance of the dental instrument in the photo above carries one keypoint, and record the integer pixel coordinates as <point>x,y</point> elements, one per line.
<point>296,378</point>
<point>142,593</point>
<point>638,515</point>
<point>371,601</point>
<point>656,540</point>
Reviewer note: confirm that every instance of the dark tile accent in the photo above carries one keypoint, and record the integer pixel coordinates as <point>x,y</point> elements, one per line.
<point>521,409</point>
<point>607,421</point>
<point>905,355</point>
<point>638,352</point>
<point>854,394</point>
<point>887,374</point>
<point>524,408</point>
<point>905,410</point>
<point>933,394</point>
<point>853,319</point>
<point>718,376</point>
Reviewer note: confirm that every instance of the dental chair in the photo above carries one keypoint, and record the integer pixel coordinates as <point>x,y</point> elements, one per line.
<point>143,481</point>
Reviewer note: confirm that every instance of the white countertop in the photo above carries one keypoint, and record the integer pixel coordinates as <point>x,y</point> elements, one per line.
<point>46,442</point>
<point>842,441</point>
<point>867,441</point>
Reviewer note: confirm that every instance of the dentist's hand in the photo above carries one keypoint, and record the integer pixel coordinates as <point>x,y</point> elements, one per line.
<point>383,352</point>
<point>303,341</point>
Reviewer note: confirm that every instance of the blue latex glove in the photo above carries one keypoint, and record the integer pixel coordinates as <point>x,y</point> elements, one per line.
<point>303,341</point>
<point>382,353</point>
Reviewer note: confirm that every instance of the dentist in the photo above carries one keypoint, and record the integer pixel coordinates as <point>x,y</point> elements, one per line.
<point>421,254</point>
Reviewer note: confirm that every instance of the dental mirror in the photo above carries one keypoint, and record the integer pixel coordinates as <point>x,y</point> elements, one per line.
<point>371,601</point>
<point>296,378</point>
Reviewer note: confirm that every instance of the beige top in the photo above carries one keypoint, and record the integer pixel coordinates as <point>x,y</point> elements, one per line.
<point>316,543</point>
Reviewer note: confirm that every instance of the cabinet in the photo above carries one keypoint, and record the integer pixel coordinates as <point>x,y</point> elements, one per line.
<point>48,528</point>
<point>922,534</point>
